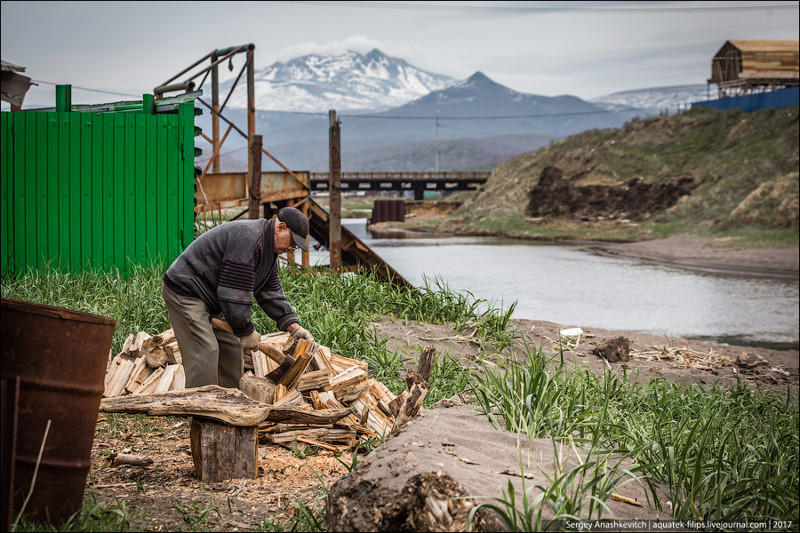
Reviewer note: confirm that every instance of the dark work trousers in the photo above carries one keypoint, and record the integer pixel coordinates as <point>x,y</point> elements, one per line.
<point>210,356</point>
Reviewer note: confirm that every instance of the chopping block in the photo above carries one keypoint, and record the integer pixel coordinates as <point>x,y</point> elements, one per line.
<point>221,451</point>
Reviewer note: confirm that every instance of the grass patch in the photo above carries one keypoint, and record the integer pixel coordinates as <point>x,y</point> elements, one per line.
<point>723,454</point>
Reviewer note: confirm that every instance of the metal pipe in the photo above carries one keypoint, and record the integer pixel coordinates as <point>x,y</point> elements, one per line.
<point>187,86</point>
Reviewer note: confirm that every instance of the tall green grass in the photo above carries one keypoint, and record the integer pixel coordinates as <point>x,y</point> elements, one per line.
<point>340,310</point>
<point>721,454</point>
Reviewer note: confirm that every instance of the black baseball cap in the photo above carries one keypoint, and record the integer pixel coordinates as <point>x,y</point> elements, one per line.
<point>297,223</point>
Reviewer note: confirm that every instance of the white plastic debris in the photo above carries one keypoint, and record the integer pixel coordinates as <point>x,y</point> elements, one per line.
<point>571,332</point>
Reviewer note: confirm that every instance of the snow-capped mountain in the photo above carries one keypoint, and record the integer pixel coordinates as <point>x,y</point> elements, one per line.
<point>345,82</point>
<point>659,98</point>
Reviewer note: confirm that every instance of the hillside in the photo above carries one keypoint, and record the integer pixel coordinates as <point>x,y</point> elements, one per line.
<point>704,171</point>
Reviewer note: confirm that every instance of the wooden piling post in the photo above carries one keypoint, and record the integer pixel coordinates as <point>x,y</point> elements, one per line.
<point>335,191</point>
<point>255,182</point>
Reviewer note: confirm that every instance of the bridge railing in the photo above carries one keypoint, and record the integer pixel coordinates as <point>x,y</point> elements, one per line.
<point>407,175</point>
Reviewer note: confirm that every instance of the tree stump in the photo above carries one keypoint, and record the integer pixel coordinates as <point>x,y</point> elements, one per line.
<point>221,451</point>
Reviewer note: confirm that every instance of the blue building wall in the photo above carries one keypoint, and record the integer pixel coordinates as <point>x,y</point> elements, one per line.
<point>752,102</point>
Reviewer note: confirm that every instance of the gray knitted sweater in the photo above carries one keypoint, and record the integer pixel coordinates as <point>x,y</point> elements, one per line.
<point>227,266</point>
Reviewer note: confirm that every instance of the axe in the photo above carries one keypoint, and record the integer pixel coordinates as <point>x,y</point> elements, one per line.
<point>286,362</point>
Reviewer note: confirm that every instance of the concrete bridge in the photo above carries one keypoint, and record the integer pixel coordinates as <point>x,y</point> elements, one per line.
<point>417,181</point>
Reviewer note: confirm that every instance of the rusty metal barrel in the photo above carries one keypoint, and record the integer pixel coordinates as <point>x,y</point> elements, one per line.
<point>56,358</point>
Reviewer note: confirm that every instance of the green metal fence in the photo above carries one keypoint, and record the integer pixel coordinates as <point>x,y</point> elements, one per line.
<point>96,190</point>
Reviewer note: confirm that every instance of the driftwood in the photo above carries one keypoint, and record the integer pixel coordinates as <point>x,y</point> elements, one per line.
<point>118,459</point>
<point>417,383</point>
<point>230,406</point>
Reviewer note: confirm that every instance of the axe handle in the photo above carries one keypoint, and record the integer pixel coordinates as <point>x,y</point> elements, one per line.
<point>271,352</point>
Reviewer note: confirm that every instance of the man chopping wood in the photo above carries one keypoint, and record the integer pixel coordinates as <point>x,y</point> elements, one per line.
<point>218,275</point>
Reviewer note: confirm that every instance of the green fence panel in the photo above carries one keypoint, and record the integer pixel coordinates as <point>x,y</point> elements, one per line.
<point>96,190</point>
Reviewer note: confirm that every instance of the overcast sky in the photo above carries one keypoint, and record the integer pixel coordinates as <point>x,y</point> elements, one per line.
<point>586,49</point>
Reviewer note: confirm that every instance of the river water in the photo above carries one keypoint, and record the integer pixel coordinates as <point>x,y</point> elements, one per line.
<point>573,287</point>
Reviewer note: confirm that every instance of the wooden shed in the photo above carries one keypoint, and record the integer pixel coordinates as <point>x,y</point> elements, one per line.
<point>743,67</point>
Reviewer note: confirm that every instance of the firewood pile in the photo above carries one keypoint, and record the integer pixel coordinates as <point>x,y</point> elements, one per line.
<point>316,380</point>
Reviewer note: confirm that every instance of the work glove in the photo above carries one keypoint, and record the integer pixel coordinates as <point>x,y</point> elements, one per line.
<point>250,342</point>
<point>302,333</point>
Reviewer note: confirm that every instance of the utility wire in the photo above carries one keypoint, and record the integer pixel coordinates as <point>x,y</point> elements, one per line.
<point>90,90</point>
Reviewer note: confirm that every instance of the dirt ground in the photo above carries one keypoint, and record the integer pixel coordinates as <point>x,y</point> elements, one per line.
<point>166,496</point>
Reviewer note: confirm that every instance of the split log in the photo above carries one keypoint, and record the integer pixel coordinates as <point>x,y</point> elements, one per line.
<point>221,451</point>
<point>133,344</point>
<point>292,397</point>
<point>165,382</point>
<point>118,377</point>
<point>289,380</point>
<point>340,363</point>
<point>140,373</point>
<point>179,381</point>
<point>154,349</point>
<point>158,356</point>
<point>174,352</point>
<point>150,384</point>
<point>258,388</point>
<point>259,363</point>
<point>314,380</point>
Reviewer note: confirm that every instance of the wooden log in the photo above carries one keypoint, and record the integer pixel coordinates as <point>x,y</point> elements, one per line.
<point>221,451</point>
<point>165,382</point>
<point>258,388</point>
<point>150,384</point>
<point>179,381</point>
